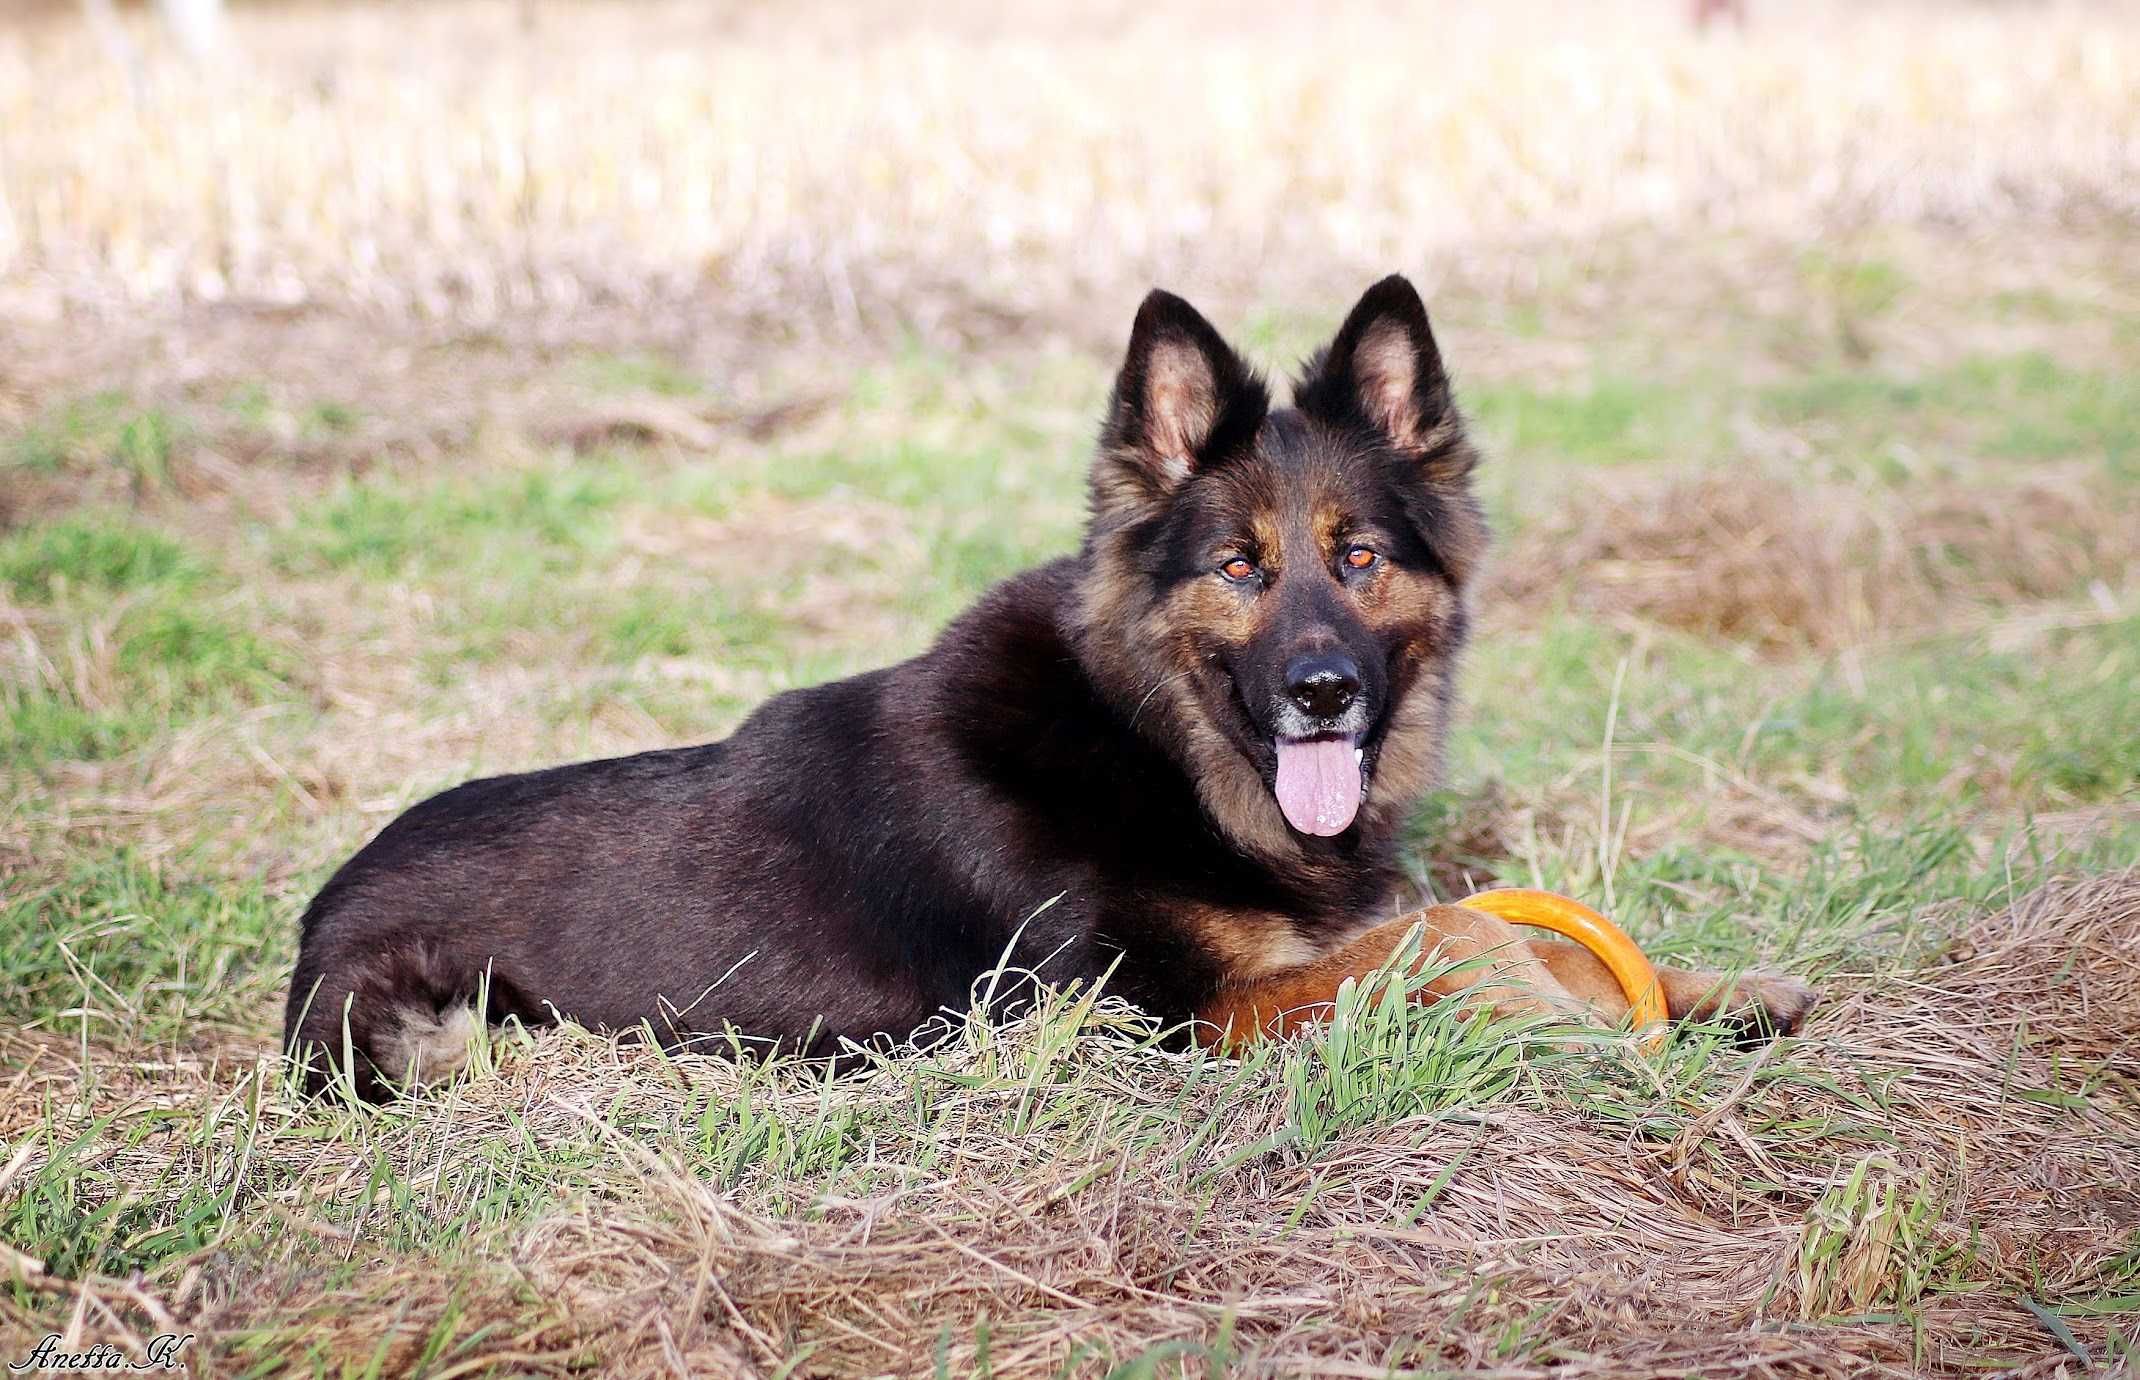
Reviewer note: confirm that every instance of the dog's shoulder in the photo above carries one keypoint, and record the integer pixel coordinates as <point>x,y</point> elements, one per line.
<point>1005,689</point>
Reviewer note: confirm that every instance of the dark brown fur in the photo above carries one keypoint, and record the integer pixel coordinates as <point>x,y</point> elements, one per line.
<point>1078,777</point>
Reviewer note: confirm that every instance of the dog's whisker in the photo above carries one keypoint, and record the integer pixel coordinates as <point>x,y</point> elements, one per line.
<point>1162,684</point>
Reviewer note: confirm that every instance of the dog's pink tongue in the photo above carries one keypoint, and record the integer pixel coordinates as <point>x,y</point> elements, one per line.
<point>1318,784</point>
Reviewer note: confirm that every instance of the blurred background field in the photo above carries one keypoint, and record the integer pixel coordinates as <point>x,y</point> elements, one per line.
<point>849,160</point>
<point>412,391</point>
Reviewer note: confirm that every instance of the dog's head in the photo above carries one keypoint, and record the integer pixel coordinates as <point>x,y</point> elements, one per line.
<point>1276,595</point>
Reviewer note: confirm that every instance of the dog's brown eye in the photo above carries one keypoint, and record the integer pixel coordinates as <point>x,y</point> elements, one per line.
<point>1239,568</point>
<point>1359,558</point>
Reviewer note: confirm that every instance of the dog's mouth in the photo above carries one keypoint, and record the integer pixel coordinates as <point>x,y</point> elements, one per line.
<point>1320,782</point>
<point>1319,777</point>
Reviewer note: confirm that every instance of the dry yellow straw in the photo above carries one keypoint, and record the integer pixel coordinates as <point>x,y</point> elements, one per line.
<point>1548,910</point>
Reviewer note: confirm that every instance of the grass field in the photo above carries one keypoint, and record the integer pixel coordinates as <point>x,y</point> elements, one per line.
<point>1810,642</point>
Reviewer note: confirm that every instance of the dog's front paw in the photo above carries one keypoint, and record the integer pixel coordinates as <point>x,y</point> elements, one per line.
<point>1766,1005</point>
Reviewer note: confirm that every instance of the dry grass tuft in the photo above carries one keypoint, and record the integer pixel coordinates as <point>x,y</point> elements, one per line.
<point>1788,565</point>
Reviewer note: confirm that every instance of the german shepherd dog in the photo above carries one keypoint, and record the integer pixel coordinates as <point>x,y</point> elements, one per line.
<point>1179,759</point>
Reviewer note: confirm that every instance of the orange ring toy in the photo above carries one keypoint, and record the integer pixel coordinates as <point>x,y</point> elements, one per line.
<point>1548,910</point>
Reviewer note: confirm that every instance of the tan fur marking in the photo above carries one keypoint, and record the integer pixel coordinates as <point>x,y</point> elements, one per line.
<point>1209,606</point>
<point>1407,760</point>
<point>1324,523</point>
<point>1250,945</point>
<point>1270,541</point>
<point>1399,598</point>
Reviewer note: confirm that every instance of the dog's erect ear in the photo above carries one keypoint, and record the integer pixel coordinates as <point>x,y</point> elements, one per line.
<point>1384,370</point>
<point>1184,400</point>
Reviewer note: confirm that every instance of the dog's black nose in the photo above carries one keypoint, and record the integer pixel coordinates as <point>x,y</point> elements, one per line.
<point>1325,686</point>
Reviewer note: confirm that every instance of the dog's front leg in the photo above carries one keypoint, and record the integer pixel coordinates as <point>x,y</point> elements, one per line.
<point>1496,967</point>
